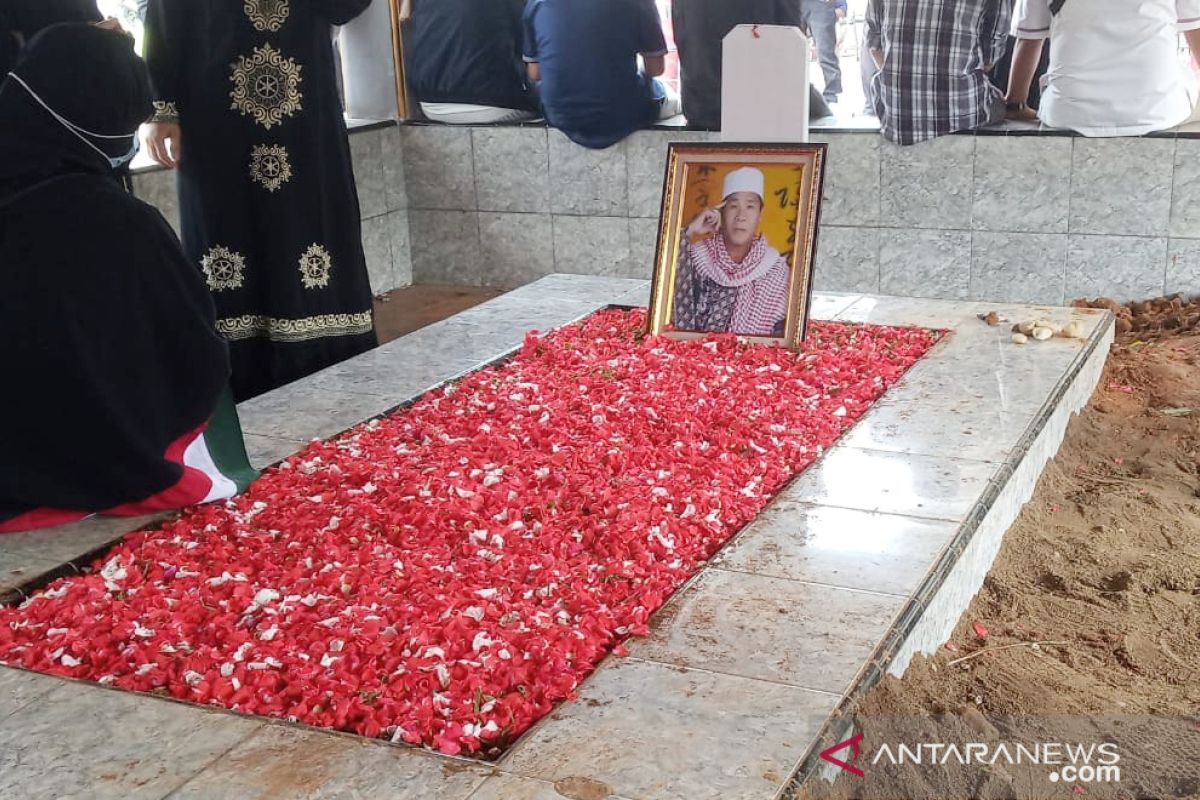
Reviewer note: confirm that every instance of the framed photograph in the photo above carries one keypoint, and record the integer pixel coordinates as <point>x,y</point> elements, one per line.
<point>736,241</point>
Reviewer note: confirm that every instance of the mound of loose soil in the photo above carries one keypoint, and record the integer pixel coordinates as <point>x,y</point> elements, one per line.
<point>1102,569</point>
<point>1175,315</point>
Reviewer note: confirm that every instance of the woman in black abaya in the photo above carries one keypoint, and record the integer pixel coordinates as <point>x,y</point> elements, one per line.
<point>112,365</point>
<point>247,108</point>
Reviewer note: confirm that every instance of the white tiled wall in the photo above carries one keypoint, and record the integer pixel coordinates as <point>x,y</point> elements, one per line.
<point>1035,219</point>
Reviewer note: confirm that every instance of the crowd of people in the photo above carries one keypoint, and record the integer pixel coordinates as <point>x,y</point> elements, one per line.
<point>932,67</point>
<point>1113,67</point>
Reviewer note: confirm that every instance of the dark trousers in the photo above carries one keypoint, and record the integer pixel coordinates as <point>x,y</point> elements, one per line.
<point>821,19</point>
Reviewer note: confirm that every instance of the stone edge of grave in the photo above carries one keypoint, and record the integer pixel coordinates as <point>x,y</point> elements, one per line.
<point>968,557</point>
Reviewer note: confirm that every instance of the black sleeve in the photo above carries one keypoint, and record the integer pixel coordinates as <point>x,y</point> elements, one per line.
<point>648,26</point>
<point>788,12</point>
<point>515,13</point>
<point>165,33</point>
<point>679,25</point>
<point>30,16</point>
<point>338,12</point>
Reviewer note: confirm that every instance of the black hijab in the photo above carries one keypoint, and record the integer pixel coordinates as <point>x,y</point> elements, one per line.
<point>108,350</point>
<point>91,79</point>
<point>21,20</point>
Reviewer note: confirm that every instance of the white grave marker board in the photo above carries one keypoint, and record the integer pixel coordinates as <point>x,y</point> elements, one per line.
<point>368,69</point>
<point>764,91</point>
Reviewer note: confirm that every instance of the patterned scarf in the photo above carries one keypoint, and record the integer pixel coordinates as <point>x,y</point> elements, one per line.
<point>761,281</point>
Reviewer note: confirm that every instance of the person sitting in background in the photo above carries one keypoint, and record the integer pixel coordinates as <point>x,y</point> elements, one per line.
<point>700,28</point>
<point>820,20</point>
<point>583,56</point>
<point>1114,64</point>
<point>115,371</point>
<point>730,279</point>
<point>464,60</point>
<point>934,57</point>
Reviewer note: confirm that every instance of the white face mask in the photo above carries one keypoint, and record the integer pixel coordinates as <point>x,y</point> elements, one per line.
<point>83,133</point>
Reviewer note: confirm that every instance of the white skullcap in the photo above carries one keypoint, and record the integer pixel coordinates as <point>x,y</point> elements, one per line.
<point>745,179</point>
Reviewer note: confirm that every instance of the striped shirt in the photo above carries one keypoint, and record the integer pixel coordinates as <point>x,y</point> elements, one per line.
<point>936,54</point>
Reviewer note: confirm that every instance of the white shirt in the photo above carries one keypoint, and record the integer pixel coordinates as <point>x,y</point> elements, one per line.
<point>1114,64</point>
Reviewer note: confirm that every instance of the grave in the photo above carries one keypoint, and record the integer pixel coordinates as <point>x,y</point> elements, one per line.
<point>868,558</point>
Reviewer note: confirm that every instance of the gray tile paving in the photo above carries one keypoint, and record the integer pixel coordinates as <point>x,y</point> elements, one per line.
<point>893,483</point>
<point>66,542</point>
<point>514,787</point>
<point>82,741</point>
<point>19,688</point>
<point>303,411</point>
<point>801,634</point>
<point>653,731</point>
<point>886,553</point>
<point>267,450</point>
<point>284,762</point>
<point>18,569</point>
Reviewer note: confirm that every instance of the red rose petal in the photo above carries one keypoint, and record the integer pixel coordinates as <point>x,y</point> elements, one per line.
<point>444,576</point>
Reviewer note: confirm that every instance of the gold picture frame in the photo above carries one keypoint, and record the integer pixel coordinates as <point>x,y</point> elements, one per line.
<point>790,179</point>
<point>402,106</point>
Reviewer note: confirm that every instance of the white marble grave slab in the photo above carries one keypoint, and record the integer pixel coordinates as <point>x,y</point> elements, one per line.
<point>894,529</point>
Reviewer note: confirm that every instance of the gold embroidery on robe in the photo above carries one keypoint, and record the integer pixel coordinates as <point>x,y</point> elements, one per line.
<point>165,112</point>
<point>266,86</point>
<point>315,266</point>
<point>267,15</point>
<point>295,330</point>
<point>270,166</point>
<point>223,269</point>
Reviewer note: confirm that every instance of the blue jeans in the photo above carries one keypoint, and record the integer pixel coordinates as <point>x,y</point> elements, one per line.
<point>821,18</point>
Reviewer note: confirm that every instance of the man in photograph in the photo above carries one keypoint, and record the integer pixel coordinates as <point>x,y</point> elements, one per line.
<point>730,280</point>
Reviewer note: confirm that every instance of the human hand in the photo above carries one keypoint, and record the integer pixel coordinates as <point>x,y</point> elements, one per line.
<point>164,140</point>
<point>110,24</point>
<point>706,223</point>
<point>1020,112</point>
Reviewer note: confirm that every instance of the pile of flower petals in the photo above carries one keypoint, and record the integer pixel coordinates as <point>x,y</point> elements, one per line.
<point>445,575</point>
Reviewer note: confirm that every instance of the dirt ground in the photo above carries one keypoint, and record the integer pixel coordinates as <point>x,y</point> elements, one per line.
<point>1087,628</point>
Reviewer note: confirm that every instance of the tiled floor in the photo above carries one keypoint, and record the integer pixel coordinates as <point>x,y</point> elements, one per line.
<point>402,311</point>
<point>742,668</point>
